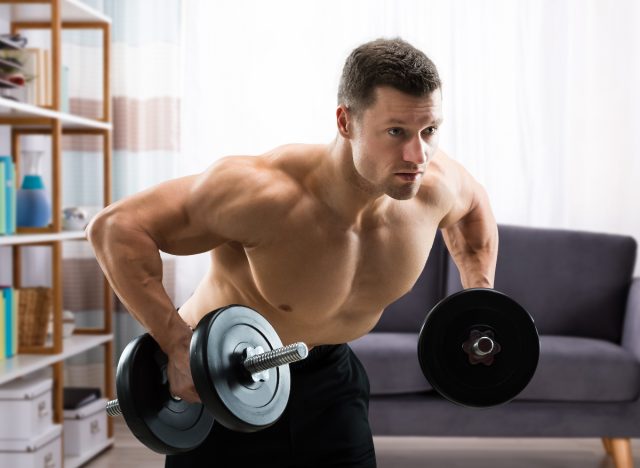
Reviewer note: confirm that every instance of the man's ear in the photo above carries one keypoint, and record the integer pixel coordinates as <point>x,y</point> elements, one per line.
<point>343,119</point>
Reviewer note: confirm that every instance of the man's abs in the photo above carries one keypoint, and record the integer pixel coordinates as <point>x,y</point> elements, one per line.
<point>337,324</point>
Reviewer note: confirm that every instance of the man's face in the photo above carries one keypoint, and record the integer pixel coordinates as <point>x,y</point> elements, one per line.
<point>394,139</point>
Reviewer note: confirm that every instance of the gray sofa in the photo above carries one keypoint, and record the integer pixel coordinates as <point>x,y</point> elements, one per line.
<point>578,286</point>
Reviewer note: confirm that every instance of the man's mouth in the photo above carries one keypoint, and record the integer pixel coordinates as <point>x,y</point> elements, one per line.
<point>409,176</point>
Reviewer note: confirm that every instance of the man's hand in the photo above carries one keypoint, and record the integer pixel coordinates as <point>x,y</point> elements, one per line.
<point>179,370</point>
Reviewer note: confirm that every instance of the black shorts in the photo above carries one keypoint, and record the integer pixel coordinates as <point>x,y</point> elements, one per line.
<point>325,423</point>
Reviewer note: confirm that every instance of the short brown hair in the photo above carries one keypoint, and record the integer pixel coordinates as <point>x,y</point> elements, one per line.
<point>385,62</point>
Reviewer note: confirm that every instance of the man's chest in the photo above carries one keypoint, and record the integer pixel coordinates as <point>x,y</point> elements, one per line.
<point>327,271</point>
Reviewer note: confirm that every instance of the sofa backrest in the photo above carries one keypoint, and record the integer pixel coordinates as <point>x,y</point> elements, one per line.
<point>407,313</point>
<point>573,283</point>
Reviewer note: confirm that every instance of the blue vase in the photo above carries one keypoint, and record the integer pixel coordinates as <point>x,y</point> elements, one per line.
<point>33,206</point>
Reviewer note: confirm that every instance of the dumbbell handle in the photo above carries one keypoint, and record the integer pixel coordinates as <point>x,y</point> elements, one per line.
<point>113,408</point>
<point>256,363</point>
<point>276,357</point>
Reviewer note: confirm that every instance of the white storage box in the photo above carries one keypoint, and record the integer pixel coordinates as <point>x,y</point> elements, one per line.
<point>25,406</point>
<point>85,427</point>
<point>42,451</point>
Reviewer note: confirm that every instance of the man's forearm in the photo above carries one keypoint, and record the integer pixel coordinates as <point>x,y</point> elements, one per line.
<point>473,244</point>
<point>131,262</point>
<point>477,267</point>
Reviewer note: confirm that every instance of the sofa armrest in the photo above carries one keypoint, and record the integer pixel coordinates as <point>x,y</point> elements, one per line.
<point>631,327</point>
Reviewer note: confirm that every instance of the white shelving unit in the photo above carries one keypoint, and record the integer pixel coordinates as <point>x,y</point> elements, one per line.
<point>23,364</point>
<point>74,462</point>
<point>25,239</point>
<point>10,109</point>
<point>25,119</point>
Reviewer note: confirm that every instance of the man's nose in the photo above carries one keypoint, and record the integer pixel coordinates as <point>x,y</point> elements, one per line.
<point>416,151</point>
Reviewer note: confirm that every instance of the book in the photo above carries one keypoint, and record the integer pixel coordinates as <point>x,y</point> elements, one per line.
<point>45,60</point>
<point>3,201</point>
<point>64,91</point>
<point>14,314</point>
<point>13,219</point>
<point>7,294</point>
<point>3,329</point>
<point>9,183</point>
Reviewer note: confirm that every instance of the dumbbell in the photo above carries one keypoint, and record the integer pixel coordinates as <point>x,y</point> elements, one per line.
<point>478,347</point>
<point>239,368</point>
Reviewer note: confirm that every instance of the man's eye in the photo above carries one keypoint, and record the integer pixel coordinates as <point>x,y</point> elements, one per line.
<point>394,131</point>
<point>431,131</point>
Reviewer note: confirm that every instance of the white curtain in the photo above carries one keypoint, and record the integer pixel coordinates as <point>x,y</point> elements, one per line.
<point>541,98</point>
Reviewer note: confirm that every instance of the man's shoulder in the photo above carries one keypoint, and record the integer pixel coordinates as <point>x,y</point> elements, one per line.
<point>269,180</point>
<point>439,181</point>
<point>448,186</point>
<point>284,163</point>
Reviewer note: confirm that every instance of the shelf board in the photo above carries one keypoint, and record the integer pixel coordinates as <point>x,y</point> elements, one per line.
<point>78,460</point>
<point>72,11</point>
<point>20,239</point>
<point>23,364</point>
<point>19,113</point>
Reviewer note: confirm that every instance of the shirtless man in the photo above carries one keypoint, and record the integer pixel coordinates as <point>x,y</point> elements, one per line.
<point>319,239</point>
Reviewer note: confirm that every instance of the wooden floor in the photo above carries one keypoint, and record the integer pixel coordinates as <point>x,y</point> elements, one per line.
<point>414,452</point>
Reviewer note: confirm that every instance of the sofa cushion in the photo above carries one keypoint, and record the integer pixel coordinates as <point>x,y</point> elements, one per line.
<point>407,313</point>
<point>573,283</point>
<point>391,361</point>
<point>583,369</point>
<point>570,368</point>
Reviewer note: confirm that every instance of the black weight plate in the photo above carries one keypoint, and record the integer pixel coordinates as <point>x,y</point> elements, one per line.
<point>236,402</point>
<point>445,364</point>
<point>163,424</point>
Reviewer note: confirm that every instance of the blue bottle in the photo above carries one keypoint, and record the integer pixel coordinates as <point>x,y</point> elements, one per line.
<point>33,205</point>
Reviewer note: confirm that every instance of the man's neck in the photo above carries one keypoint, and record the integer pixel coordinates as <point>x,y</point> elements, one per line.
<point>336,182</point>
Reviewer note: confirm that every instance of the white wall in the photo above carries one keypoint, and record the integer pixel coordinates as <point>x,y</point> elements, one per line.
<point>540,97</point>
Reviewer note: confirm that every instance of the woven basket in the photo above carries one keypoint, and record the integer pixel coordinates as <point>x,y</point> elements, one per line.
<point>34,310</point>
